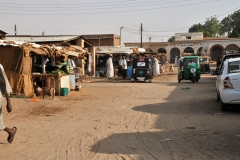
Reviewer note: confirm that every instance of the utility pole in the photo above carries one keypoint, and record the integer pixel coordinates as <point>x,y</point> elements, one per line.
<point>98,44</point>
<point>141,35</point>
<point>150,39</point>
<point>121,36</point>
<point>15,30</point>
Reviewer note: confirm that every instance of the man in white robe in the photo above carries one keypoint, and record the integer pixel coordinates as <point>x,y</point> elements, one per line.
<point>5,90</point>
<point>176,61</point>
<point>109,64</point>
<point>156,71</point>
<point>124,68</point>
<point>89,63</point>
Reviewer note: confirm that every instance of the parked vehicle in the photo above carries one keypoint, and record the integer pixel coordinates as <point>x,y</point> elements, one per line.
<point>142,69</point>
<point>189,68</point>
<point>205,64</point>
<point>219,60</point>
<point>228,83</point>
<point>222,58</point>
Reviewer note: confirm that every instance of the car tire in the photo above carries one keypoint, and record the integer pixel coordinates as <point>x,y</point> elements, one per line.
<point>224,106</point>
<point>218,97</point>
<point>179,80</point>
<point>193,80</point>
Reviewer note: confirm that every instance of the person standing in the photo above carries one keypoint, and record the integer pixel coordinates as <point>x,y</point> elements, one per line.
<point>5,90</point>
<point>176,61</point>
<point>120,62</point>
<point>156,71</point>
<point>109,64</point>
<point>124,68</point>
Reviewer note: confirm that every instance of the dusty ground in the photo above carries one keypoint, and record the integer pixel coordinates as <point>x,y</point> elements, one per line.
<point>116,119</point>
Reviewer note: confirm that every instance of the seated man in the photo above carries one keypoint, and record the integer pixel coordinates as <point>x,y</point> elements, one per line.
<point>191,63</point>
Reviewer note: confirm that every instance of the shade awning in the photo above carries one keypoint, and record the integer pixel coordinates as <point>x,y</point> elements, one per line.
<point>73,53</point>
<point>79,48</point>
<point>38,51</point>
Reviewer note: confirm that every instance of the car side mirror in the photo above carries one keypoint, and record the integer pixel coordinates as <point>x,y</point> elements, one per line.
<point>214,73</point>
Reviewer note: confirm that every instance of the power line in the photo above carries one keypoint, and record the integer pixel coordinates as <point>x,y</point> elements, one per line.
<point>227,12</point>
<point>93,7</point>
<point>131,32</point>
<point>190,26</point>
<point>132,10</point>
<point>68,3</point>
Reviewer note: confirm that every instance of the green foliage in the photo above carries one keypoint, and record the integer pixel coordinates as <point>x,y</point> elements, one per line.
<point>196,28</point>
<point>211,27</point>
<point>231,25</point>
<point>18,96</point>
<point>171,39</point>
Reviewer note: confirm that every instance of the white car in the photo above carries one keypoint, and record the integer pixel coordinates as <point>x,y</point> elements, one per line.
<point>228,83</point>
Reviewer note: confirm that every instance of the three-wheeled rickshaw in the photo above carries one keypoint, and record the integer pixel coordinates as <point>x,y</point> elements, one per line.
<point>189,68</point>
<point>205,64</point>
<point>142,69</point>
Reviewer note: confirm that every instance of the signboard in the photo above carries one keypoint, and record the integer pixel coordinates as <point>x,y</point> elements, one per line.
<point>187,45</point>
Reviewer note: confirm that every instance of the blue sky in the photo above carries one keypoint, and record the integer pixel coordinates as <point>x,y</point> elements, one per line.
<point>161,19</point>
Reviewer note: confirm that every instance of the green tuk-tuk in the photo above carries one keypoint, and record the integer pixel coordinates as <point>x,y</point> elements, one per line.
<point>189,68</point>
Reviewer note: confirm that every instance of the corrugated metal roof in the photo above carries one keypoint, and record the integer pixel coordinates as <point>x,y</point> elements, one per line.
<point>41,38</point>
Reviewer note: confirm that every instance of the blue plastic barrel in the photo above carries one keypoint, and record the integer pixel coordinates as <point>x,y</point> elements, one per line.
<point>129,72</point>
<point>72,81</point>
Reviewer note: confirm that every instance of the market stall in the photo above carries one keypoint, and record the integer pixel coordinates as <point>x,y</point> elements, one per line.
<point>102,54</point>
<point>37,69</point>
<point>61,70</point>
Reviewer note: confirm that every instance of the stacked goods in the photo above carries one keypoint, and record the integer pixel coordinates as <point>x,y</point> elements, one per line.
<point>163,58</point>
<point>79,72</point>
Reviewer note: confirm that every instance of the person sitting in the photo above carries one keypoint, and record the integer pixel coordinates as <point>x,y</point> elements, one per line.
<point>191,63</point>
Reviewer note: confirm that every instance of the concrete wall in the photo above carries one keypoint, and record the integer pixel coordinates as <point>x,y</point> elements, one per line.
<point>103,40</point>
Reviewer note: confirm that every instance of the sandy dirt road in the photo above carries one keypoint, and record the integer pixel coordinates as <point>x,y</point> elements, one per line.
<point>120,120</point>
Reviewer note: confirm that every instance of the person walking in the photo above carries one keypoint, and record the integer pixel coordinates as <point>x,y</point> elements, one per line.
<point>124,68</point>
<point>109,64</point>
<point>5,90</point>
<point>156,71</point>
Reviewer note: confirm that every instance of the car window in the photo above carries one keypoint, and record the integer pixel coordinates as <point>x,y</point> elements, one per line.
<point>221,70</point>
<point>204,60</point>
<point>234,67</point>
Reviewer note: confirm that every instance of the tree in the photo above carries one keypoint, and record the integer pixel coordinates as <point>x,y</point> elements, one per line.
<point>196,28</point>
<point>171,39</point>
<point>231,25</point>
<point>211,27</point>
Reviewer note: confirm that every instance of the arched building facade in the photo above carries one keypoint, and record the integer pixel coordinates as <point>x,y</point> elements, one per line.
<point>214,48</point>
<point>211,47</point>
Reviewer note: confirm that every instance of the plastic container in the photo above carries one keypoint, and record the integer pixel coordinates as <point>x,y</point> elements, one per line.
<point>64,91</point>
<point>129,72</point>
<point>35,99</point>
<point>72,81</point>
